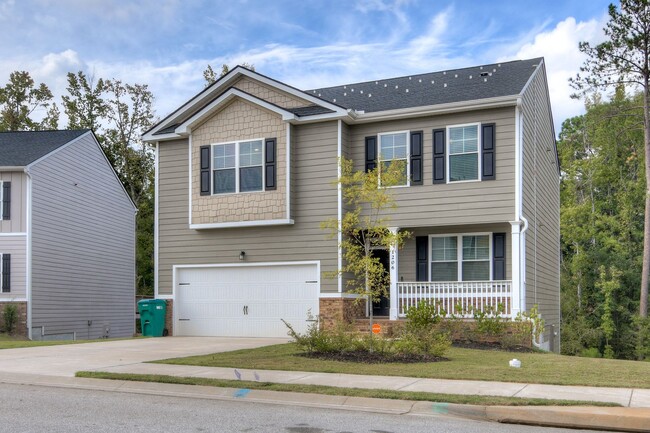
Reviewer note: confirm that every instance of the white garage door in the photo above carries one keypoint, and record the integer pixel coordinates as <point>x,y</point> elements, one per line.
<point>245,301</point>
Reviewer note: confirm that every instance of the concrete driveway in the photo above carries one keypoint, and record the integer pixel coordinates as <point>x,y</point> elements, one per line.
<point>66,360</point>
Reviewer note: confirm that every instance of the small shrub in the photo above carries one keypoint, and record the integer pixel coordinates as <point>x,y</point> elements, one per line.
<point>10,317</point>
<point>431,342</point>
<point>423,315</point>
<point>313,340</point>
<point>591,352</point>
<point>489,322</point>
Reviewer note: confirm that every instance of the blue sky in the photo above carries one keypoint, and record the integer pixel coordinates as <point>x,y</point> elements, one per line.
<point>167,43</point>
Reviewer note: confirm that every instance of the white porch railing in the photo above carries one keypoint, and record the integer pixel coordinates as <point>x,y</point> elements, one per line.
<point>449,294</point>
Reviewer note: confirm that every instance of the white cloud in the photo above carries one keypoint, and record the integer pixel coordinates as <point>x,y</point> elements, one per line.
<point>559,47</point>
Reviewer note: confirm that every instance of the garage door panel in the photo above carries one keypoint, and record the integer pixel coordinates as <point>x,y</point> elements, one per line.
<point>245,301</point>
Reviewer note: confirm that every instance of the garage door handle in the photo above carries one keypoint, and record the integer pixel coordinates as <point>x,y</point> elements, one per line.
<point>245,310</point>
<point>309,282</point>
<point>183,320</point>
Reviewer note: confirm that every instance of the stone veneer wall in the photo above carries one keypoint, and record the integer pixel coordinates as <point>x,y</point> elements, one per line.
<point>20,327</point>
<point>335,310</point>
<point>238,121</point>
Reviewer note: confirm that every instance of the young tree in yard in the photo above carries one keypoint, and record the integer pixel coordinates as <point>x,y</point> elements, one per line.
<point>624,59</point>
<point>20,98</point>
<point>365,227</point>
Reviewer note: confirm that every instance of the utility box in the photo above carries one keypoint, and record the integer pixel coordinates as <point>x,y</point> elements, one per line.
<point>152,317</point>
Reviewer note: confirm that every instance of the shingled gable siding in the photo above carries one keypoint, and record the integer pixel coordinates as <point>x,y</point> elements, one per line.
<point>407,263</point>
<point>541,206</point>
<point>454,203</point>
<point>269,94</point>
<point>18,221</point>
<point>314,199</point>
<point>83,241</point>
<point>240,120</point>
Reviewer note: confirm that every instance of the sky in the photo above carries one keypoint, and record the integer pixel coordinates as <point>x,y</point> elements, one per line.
<point>166,44</point>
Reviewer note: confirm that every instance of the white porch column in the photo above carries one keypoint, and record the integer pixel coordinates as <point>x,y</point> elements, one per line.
<point>393,276</point>
<point>515,305</point>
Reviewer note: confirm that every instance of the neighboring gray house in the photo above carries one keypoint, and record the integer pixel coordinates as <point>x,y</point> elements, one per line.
<point>67,237</point>
<point>244,175</point>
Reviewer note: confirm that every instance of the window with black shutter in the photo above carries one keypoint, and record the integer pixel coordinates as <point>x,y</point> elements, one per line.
<point>488,150</point>
<point>416,158</point>
<point>6,273</point>
<point>499,256</point>
<point>205,170</point>
<point>270,164</point>
<point>371,153</point>
<point>422,258</point>
<point>6,200</point>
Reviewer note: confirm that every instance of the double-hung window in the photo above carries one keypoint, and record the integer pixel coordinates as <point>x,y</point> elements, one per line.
<point>238,167</point>
<point>393,147</point>
<point>460,258</point>
<point>463,143</point>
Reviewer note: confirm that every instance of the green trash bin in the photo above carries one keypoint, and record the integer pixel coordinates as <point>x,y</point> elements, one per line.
<point>152,317</point>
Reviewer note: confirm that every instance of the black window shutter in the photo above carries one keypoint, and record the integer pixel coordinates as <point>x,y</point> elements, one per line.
<point>487,154</point>
<point>205,170</point>
<point>421,258</point>
<point>439,157</point>
<point>371,153</point>
<point>416,158</point>
<point>6,200</point>
<point>499,253</point>
<point>6,273</point>
<point>270,164</point>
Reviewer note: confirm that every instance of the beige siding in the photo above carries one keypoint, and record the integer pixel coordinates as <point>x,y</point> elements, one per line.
<point>541,204</point>
<point>314,196</point>
<point>18,218</point>
<point>270,94</point>
<point>455,203</point>
<point>239,120</point>
<point>406,261</point>
<point>17,247</point>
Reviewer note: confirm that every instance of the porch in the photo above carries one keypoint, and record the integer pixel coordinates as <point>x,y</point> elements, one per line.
<point>460,298</point>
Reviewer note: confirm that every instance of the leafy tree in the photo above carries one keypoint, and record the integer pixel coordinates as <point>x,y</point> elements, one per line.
<point>84,105</point>
<point>20,98</point>
<point>210,75</point>
<point>624,59</point>
<point>365,227</point>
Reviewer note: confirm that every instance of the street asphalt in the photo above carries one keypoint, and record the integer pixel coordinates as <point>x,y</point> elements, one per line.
<point>55,366</point>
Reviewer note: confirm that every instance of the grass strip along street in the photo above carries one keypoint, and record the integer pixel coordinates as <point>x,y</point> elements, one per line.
<point>348,392</point>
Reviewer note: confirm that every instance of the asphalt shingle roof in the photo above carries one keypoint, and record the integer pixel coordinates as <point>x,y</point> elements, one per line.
<point>456,85</point>
<point>21,148</point>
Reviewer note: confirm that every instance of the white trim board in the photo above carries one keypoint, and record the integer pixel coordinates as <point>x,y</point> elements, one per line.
<point>280,222</point>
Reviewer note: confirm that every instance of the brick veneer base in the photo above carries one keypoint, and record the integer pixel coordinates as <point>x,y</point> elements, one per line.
<point>20,327</point>
<point>334,310</point>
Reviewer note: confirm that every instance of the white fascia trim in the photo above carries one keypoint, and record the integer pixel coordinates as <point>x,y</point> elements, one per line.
<point>28,253</point>
<point>3,299</point>
<point>452,107</point>
<point>340,295</point>
<point>239,265</point>
<point>189,183</point>
<point>288,171</point>
<point>185,127</point>
<point>161,137</point>
<point>280,222</point>
<point>155,220</point>
<point>339,192</point>
<point>302,120</point>
<point>3,235</point>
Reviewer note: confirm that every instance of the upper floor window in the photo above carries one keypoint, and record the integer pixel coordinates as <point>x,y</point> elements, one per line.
<point>393,147</point>
<point>238,167</point>
<point>463,151</point>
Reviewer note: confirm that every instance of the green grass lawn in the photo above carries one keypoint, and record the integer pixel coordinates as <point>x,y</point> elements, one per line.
<point>484,400</point>
<point>467,364</point>
<point>10,342</point>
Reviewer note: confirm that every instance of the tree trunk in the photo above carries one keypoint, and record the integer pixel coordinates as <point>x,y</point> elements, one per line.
<point>643,303</point>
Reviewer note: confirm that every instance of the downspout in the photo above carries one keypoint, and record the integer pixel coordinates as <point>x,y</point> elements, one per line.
<point>28,252</point>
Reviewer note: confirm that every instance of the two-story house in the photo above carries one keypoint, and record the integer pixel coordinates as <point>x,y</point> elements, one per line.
<point>244,175</point>
<point>67,237</point>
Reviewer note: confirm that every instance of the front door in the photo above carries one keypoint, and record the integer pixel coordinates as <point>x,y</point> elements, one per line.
<point>382,306</point>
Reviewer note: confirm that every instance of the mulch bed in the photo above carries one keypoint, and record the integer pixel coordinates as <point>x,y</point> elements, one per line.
<point>374,357</point>
<point>485,345</point>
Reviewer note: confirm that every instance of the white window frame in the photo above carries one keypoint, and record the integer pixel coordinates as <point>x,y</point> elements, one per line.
<point>479,152</point>
<point>408,157</point>
<point>237,166</point>
<point>459,252</point>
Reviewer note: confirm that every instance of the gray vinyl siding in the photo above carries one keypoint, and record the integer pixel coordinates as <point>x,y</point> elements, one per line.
<point>541,205</point>
<point>406,257</point>
<point>83,241</point>
<point>17,247</point>
<point>455,203</point>
<point>17,222</point>
<point>314,199</point>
